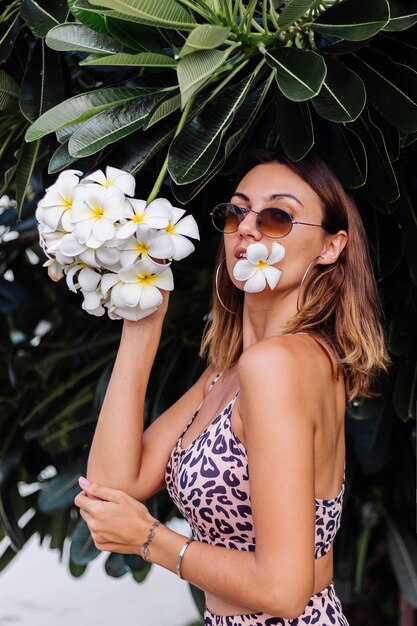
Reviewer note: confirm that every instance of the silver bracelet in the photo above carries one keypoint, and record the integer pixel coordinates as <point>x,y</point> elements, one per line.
<point>148,541</point>
<point>181,554</point>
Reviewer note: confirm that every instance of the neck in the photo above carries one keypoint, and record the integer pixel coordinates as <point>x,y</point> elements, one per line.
<point>265,314</point>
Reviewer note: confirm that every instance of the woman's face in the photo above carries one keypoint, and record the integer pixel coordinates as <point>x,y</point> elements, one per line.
<point>276,185</point>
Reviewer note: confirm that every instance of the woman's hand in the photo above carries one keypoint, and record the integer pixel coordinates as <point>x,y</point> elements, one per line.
<point>117,522</point>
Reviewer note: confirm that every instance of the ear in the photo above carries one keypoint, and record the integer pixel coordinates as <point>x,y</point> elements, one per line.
<point>333,246</point>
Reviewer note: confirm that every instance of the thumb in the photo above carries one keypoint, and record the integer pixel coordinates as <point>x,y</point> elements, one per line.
<point>100,491</point>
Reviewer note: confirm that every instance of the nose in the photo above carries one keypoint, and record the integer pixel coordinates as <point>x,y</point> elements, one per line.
<point>248,227</point>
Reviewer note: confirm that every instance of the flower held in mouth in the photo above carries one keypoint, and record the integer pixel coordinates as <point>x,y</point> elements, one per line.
<point>257,268</point>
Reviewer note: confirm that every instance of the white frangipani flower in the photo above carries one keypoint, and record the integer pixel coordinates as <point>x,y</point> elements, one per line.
<point>113,178</point>
<point>156,215</point>
<point>133,313</point>
<point>107,245</point>
<point>148,242</point>
<point>88,279</point>
<point>141,284</point>
<point>94,211</point>
<point>55,269</point>
<point>257,268</point>
<point>54,210</point>
<point>104,256</point>
<point>92,303</point>
<point>178,230</point>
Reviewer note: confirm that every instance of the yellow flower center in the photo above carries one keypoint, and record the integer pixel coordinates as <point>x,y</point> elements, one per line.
<point>170,228</point>
<point>138,219</point>
<point>146,279</point>
<point>142,247</point>
<point>260,264</point>
<point>67,203</point>
<point>107,182</point>
<point>98,212</point>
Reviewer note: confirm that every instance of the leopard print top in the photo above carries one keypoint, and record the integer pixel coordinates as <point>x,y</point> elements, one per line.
<point>209,483</point>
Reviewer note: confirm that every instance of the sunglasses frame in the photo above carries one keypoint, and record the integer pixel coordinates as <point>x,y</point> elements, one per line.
<point>245,211</point>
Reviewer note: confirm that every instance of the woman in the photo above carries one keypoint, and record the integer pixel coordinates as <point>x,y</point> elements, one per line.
<point>270,406</point>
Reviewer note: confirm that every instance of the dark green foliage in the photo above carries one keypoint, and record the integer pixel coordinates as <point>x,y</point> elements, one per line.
<point>334,77</point>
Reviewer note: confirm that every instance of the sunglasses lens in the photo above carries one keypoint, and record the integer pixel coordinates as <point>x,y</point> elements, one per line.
<point>274,222</point>
<point>227,217</point>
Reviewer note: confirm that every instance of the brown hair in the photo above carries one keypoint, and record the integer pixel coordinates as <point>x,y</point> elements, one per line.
<point>339,306</point>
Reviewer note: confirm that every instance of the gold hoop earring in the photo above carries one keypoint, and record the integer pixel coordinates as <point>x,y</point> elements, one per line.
<point>303,279</point>
<point>217,287</point>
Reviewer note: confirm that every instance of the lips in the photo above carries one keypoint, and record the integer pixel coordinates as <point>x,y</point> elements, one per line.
<point>240,253</point>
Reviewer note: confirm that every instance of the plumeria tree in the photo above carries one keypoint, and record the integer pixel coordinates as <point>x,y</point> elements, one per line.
<point>172,92</point>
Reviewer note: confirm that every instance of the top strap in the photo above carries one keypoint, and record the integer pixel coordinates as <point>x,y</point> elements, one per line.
<point>215,379</point>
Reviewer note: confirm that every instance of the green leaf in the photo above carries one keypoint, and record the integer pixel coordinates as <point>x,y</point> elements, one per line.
<point>12,295</point>
<point>244,119</point>
<point>72,36</point>
<point>195,148</point>
<point>402,550</point>
<point>43,83</point>
<point>408,139</point>
<point>205,37</point>
<point>293,10</point>
<point>345,150</point>
<point>68,435</point>
<point>402,16</point>
<point>111,125</point>
<point>135,562</point>
<point>80,10</point>
<point>391,87</point>
<point>9,91</point>
<point>132,153</point>
<point>295,127</point>
<point>60,159</point>
<point>9,31</point>
<point>82,549</point>
<point>165,13</point>
<point>58,493</point>
<point>43,15</point>
<point>70,383</point>
<point>194,70</point>
<point>115,565</point>
<point>402,331</point>
<point>381,174</point>
<point>398,47</point>
<point>143,59</point>
<point>354,20</point>
<point>76,570</point>
<point>299,73</point>
<point>136,36</point>
<point>27,160</point>
<point>80,108</point>
<point>342,96</point>
<point>168,105</point>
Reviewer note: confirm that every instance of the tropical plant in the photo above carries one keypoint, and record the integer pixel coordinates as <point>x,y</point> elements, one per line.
<point>174,91</point>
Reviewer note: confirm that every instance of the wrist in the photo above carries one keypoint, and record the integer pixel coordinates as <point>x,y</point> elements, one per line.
<point>165,547</point>
<point>145,549</point>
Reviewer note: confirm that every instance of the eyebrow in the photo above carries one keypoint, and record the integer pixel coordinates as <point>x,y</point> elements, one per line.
<point>274,196</point>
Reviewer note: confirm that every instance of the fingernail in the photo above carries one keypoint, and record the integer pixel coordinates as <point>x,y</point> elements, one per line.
<point>84,482</point>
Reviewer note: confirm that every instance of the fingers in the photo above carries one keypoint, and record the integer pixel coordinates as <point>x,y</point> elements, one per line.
<point>87,504</point>
<point>101,492</point>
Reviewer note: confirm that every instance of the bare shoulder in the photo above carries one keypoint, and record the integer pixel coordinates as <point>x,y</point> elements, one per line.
<point>289,351</point>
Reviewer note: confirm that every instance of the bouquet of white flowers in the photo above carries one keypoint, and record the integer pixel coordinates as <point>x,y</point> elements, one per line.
<point>93,230</point>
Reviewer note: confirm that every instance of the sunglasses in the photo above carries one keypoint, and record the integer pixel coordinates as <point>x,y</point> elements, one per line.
<point>271,222</point>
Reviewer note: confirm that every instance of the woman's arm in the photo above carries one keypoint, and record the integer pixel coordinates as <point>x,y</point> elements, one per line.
<point>116,450</point>
<point>278,399</point>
